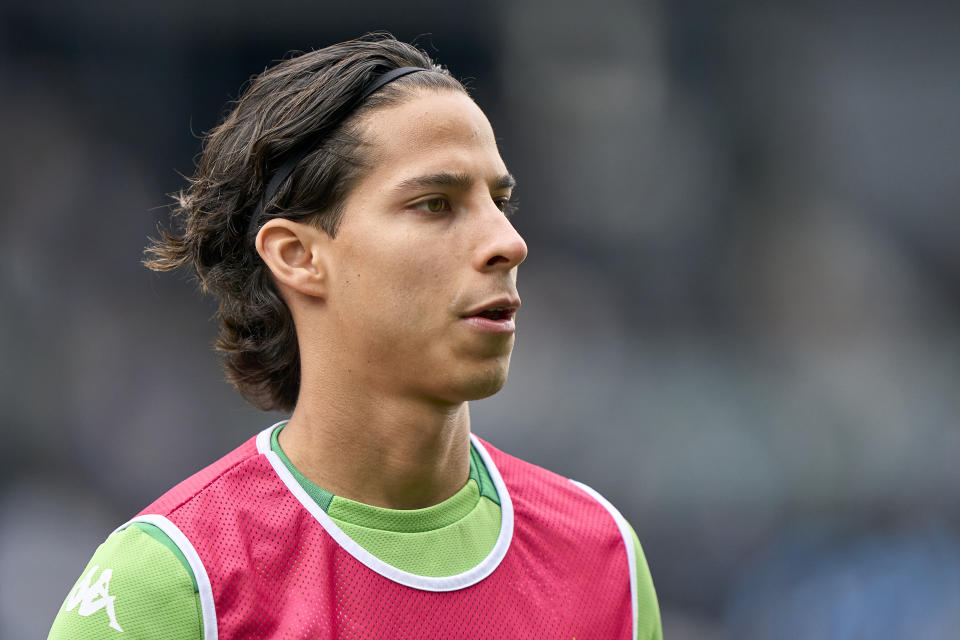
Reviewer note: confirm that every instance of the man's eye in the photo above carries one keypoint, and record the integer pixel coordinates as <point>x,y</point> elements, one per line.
<point>434,205</point>
<point>508,206</point>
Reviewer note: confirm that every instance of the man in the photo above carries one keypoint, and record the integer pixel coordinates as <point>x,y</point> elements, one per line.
<point>350,216</point>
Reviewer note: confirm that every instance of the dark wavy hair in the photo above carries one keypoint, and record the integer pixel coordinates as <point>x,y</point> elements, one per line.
<point>307,101</point>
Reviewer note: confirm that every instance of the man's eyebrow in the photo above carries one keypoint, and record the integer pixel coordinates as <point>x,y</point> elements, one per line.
<point>506,181</point>
<point>453,180</point>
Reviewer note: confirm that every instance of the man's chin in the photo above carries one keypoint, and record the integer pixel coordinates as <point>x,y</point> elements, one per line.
<point>486,391</point>
<point>477,385</point>
<point>487,384</point>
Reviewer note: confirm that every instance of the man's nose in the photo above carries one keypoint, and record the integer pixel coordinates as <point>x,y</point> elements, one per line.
<point>502,248</point>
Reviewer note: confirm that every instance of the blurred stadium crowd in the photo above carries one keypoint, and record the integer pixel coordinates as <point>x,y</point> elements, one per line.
<point>741,319</point>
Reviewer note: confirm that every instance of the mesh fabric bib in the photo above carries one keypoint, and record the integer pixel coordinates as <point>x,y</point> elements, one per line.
<point>271,564</point>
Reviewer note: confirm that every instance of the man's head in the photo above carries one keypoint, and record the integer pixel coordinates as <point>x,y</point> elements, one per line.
<point>386,235</point>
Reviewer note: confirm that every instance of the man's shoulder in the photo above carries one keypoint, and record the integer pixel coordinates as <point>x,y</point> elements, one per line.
<point>535,489</point>
<point>517,473</point>
<point>192,486</point>
<point>134,584</point>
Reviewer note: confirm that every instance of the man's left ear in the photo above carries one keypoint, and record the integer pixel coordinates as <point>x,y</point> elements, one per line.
<point>295,253</point>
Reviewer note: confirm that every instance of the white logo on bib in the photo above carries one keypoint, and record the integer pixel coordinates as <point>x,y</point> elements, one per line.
<point>93,597</point>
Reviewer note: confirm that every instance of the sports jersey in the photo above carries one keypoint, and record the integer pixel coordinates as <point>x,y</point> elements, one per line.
<point>463,539</point>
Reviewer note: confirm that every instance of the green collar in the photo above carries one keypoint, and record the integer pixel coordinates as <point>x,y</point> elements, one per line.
<point>451,510</point>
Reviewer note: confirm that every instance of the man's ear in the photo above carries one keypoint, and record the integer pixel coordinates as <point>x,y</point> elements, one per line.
<point>295,253</point>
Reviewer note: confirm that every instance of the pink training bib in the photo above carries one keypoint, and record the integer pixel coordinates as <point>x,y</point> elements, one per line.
<point>270,564</point>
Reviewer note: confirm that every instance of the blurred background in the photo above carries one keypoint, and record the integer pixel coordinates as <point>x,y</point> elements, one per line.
<point>741,316</point>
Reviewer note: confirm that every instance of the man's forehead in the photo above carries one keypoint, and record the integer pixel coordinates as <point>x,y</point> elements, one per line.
<point>438,134</point>
<point>429,121</point>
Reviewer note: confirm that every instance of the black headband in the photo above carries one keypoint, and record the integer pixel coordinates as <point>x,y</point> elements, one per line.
<point>287,167</point>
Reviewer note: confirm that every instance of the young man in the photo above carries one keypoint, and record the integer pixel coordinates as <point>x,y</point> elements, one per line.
<point>350,215</point>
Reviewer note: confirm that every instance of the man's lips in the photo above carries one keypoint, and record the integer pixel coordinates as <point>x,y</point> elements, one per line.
<point>495,316</point>
<point>488,325</point>
<point>499,307</point>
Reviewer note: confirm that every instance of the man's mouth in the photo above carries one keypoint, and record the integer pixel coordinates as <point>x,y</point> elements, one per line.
<point>495,317</point>
<point>497,313</point>
<point>499,308</point>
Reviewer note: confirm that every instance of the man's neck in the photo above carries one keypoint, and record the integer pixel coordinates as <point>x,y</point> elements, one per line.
<point>396,453</point>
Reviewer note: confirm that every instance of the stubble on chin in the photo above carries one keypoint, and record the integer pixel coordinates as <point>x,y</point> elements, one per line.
<point>490,380</point>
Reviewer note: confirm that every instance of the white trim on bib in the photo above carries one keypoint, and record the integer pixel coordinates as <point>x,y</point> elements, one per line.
<point>628,543</point>
<point>424,583</point>
<point>207,608</point>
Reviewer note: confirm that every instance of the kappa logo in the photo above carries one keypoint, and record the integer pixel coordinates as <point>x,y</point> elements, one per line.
<point>93,597</point>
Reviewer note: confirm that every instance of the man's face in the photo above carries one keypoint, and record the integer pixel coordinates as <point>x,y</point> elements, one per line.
<point>424,254</point>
